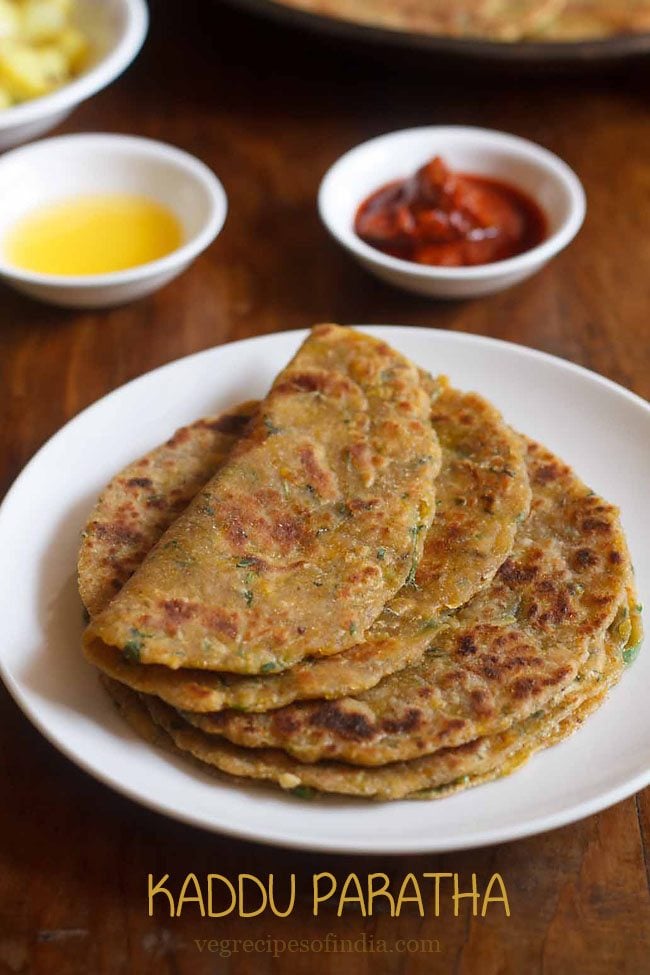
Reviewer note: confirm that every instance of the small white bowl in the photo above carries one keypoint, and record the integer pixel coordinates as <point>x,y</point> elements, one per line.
<point>75,165</point>
<point>116,30</point>
<point>538,172</point>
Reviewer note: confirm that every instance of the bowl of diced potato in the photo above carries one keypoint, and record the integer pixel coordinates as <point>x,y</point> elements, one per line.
<point>56,53</point>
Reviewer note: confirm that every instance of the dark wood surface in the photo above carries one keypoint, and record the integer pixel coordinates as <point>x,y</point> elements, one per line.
<point>270,109</point>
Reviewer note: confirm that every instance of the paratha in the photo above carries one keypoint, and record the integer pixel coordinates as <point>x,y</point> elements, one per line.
<point>492,20</point>
<point>495,19</point>
<point>278,556</point>
<point>513,648</point>
<point>433,776</point>
<point>482,494</point>
<point>594,19</point>
<point>143,500</point>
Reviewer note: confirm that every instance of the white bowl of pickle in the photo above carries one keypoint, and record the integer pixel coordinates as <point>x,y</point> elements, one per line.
<point>56,53</point>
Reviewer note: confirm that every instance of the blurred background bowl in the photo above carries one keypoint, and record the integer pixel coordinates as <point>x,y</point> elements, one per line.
<point>70,166</point>
<point>116,30</point>
<point>483,152</point>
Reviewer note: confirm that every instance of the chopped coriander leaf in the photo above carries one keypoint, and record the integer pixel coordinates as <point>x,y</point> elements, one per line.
<point>353,629</point>
<point>248,596</point>
<point>270,426</point>
<point>303,792</point>
<point>414,531</point>
<point>435,651</point>
<point>242,563</point>
<point>132,647</point>
<point>381,552</point>
<point>631,653</point>
<point>268,667</point>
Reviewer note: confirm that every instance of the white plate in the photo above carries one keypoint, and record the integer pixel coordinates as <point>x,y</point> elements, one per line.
<point>600,428</point>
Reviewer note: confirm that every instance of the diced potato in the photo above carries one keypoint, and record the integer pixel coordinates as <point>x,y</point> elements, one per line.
<point>73,44</point>
<point>10,21</point>
<point>42,20</point>
<point>40,48</point>
<point>27,72</point>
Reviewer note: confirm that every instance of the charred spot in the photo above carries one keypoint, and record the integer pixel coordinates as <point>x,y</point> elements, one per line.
<point>118,534</point>
<point>409,722</point>
<point>348,724</point>
<point>288,531</point>
<point>511,572</point>
<point>405,407</point>
<point>595,525</point>
<point>368,574</point>
<point>454,724</point>
<point>466,646</point>
<point>284,722</point>
<point>522,688</point>
<point>218,621</point>
<point>584,557</point>
<point>301,630</point>
<point>143,482</point>
<point>558,611</point>
<point>176,610</point>
<point>547,473</point>
<point>480,700</point>
<point>231,423</point>
<point>303,382</point>
<point>557,677</point>
<point>615,557</point>
<point>320,477</point>
<point>181,436</point>
<point>599,600</point>
<point>156,501</point>
<point>488,502</point>
<point>357,505</point>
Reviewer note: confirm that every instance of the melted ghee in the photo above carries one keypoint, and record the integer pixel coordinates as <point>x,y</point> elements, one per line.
<point>92,235</point>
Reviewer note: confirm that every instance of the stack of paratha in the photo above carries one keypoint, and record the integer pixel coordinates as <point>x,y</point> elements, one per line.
<point>365,584</point>
<point>504,21</point>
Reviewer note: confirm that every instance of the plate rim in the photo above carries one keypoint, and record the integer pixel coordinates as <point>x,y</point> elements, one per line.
<point>479,837</point>
<point>534,53</point>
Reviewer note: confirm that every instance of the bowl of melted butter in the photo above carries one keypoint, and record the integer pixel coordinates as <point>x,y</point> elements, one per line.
<point>98,220</point>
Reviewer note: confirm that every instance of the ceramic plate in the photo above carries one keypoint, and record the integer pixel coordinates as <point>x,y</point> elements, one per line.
<point>598,427</point>
<point>517,53</point>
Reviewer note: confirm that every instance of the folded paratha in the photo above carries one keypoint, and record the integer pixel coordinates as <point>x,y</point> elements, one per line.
<point>491,20</point>
<point>482,494</point>
<point>507,653</point>
<point>446,771</point>
<point>504,20</point>
<point>315,520</point>
<point>144,499</point>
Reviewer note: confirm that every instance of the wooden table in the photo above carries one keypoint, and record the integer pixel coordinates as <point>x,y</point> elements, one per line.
<point>269,110</point>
